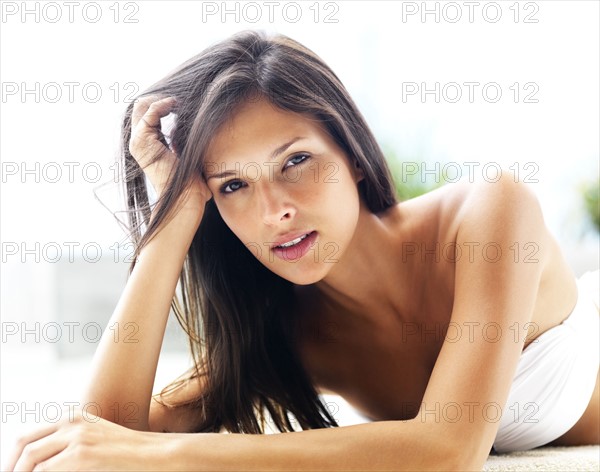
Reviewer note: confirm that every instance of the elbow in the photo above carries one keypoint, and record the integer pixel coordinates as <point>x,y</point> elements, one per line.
<point>455,458</point>
<point>435,446</point>
<point>456,451</point>
<point>467,455</point>
<point>460,462</point>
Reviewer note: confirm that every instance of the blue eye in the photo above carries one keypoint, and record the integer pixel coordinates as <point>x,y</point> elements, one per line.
<point>233,186</point>
<point>295,161</point>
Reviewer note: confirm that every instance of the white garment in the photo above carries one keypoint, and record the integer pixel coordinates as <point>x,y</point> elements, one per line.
<point>555,377</point>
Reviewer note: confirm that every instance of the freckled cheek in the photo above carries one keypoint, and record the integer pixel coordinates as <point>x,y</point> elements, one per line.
<point>317,181</point>
<point>331,182</point>
<point>337,199</point>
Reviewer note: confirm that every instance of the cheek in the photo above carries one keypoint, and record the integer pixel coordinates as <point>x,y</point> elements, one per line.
<point>323,182</point>
<point>335,188</point>
<point>341,200</point>
<point>344,210</point>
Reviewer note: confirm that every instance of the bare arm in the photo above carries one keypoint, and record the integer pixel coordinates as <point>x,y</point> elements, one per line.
<point>123,372</point>
<point>383,445</point>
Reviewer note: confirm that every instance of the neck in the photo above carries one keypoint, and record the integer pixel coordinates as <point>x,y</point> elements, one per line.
<point>368,274</point>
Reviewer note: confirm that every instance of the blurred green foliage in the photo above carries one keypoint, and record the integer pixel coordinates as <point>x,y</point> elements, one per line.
<point>409,179</point>
<point>590,191</point>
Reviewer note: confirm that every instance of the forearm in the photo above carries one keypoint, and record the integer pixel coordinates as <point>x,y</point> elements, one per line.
<point>384,445</point>
<point>124,366</point>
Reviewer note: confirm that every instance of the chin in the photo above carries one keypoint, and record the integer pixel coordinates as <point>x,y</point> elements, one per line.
<point>300,275</point>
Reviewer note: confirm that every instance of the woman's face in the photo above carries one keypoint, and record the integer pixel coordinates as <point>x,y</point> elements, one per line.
<point>285,189</point>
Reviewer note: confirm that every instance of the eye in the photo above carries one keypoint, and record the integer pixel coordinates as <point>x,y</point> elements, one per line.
<point>298,159</point>
<point>232,185</point>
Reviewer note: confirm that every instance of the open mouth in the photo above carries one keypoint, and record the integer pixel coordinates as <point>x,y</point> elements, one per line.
<point>296,248</point>
<point>294,241</point>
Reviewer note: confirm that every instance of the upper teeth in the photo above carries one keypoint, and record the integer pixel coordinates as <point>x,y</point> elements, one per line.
<point>295,241</point>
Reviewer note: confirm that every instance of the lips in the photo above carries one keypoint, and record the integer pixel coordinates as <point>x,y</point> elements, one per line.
<point>290,239</point>
<point>294,248</point>
<point>293,242</point>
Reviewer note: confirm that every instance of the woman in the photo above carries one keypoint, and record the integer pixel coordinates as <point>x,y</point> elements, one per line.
<point>451,320</point>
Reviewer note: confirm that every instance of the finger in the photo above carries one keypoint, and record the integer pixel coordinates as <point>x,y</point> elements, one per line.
<point>141,106</point>
<point>151,110</point>
<point>147,141</point>
<point>60,461</point>
<point>24,441</point>
<point>41,451</point>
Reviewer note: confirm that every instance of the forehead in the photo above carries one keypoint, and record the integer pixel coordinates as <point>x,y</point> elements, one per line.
<point>258,127</point>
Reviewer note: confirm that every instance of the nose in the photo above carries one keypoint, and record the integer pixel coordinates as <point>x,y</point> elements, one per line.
<point>274,205</point>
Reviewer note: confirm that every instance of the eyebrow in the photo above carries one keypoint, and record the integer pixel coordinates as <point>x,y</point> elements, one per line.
<point>279,150</point>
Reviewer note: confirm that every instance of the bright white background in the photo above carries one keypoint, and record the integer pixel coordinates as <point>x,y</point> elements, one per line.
<point>373,48</point>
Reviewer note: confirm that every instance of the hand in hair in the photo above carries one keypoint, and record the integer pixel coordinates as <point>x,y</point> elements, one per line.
<point>147,144</point>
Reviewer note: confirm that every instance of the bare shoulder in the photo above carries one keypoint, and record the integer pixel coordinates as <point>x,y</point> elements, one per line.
<point>503,188</point>
<point>444,209</point>
<point>481,189</point>
<point>470,201</point>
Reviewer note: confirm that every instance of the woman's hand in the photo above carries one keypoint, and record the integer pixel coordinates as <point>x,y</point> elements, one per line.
<point>145,145</point>
<point>83,441</point>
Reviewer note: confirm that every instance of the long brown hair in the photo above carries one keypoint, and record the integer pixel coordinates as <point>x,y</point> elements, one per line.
<point>235,311</point>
